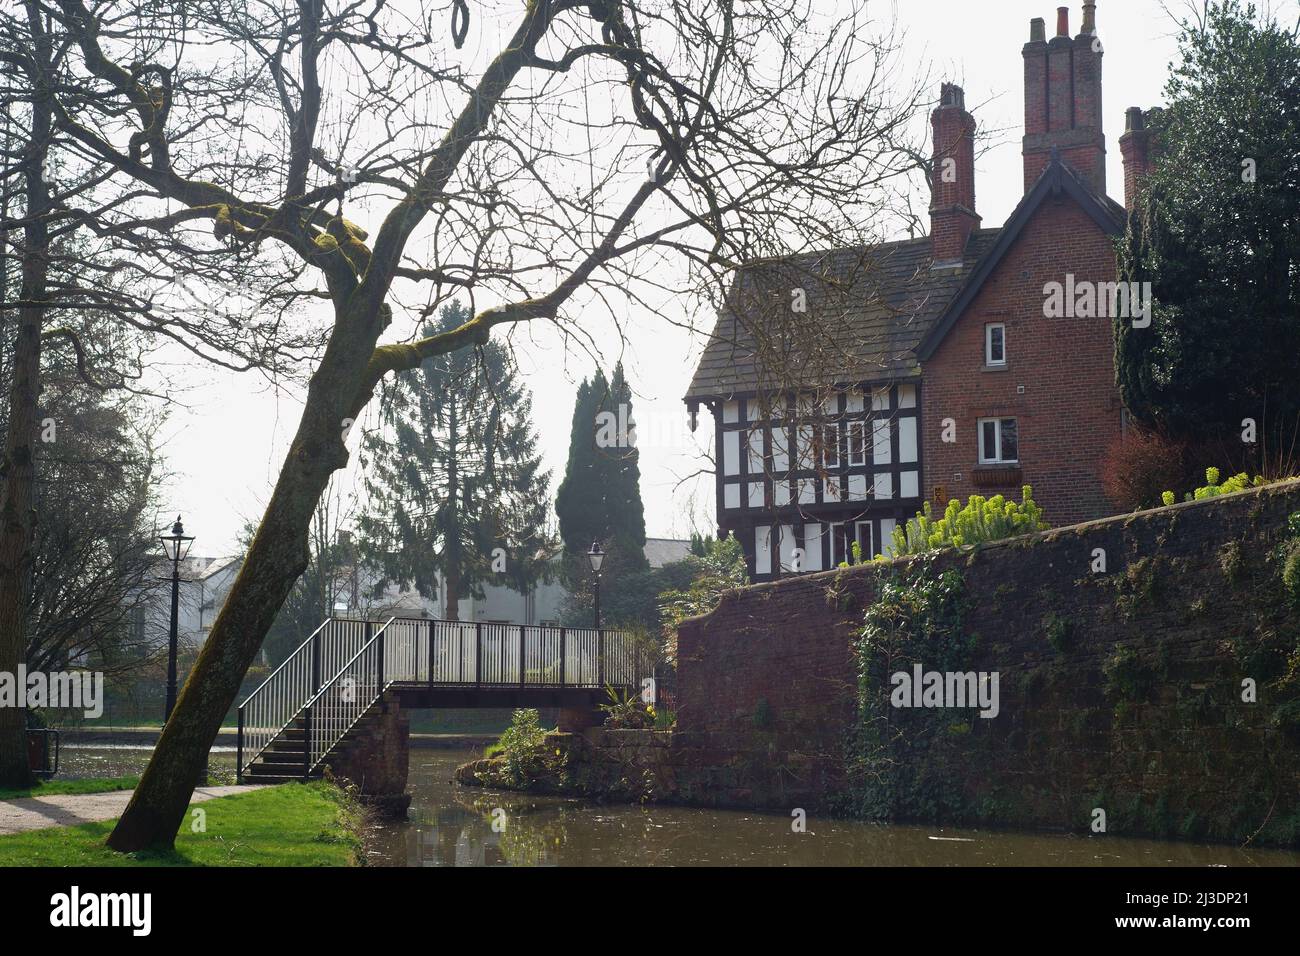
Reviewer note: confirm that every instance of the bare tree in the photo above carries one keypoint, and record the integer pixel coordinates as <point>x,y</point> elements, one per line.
<point>605,143</point>
<point>84,260</point>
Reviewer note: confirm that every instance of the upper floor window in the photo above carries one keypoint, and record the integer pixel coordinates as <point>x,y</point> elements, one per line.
<point>831,446</point>
<point>857,443</point>
<point>995,344</point>
<point>999,442</point>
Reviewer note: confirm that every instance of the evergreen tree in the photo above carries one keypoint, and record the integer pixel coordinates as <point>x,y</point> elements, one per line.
<point>1217,233</point>
<point>453,477</point>
<point>621,459</point>
<point>579,502</point>
<point>600,497</point>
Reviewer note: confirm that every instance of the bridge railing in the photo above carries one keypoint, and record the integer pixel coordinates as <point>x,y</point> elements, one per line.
<point>514,655</point>
<point>338,673</point>
<point>344,698</point>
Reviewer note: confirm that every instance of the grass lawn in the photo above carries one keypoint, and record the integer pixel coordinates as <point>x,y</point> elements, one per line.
<point>54,787</point>
<point>294,824</point>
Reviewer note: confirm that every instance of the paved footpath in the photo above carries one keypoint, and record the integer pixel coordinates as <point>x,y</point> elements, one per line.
<point>70,809</point>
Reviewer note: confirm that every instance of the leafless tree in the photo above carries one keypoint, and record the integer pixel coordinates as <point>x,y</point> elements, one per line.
<point>601,145</point>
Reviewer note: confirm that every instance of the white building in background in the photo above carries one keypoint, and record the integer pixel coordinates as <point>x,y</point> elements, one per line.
<point>205,582</point>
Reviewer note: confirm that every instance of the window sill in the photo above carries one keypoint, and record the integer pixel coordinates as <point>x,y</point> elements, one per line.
<point>995,368</point>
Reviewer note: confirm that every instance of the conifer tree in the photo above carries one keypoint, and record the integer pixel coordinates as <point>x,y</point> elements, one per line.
<point>454,478</point>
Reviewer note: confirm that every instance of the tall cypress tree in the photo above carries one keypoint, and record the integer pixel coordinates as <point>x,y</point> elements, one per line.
<point>454,478</point>
<point>600,497</point>
<point>621,464</point>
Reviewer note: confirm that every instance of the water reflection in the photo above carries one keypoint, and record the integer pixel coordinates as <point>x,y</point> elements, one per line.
<point>453,826</point>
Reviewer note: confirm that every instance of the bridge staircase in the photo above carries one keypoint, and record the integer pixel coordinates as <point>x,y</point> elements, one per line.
<point>339,681</point>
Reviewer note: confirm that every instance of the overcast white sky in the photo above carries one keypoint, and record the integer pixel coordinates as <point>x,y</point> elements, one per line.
<point>227,448</point>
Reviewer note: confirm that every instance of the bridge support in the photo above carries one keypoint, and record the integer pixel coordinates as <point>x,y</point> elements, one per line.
<point>375,758</point>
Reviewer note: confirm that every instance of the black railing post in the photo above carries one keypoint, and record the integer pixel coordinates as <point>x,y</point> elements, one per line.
<point>600,657</point>
<point>239,748</point>
<point>382,634</point>
<point>430,655</point>
<point>460,654</point>
<point>306,742</point>
<point>315,663</point>
<point>478,655</point>
<point>522,632</point>
<point>563,631</point>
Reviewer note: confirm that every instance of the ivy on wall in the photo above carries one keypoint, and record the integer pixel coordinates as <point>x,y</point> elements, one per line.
<point>917,619</point>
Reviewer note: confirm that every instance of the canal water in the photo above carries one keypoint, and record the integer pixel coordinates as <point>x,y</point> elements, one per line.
<point>458,826</point>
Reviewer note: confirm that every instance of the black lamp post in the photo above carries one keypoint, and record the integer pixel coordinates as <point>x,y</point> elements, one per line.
<point>596,557</point>
<point>177,546</point>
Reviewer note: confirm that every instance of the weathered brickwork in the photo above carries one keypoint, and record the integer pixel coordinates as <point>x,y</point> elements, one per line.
<point>766,683</point>
<point>1058,381</point>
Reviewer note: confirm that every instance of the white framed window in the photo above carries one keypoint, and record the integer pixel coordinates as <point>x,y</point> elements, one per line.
<point>831,445</point>
<point>857,443</point>
<point>995,344</point>
<point>999,441</point>
<point>865,540</point>
<point>841,550</point>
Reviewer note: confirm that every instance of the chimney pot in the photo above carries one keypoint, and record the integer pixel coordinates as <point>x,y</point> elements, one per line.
<point>1089,18</point>
<point>1037,30</point>
<point>1062,21</point>
<point>1133,119</point>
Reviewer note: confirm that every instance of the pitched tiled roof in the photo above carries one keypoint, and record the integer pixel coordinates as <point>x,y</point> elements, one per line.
<point>868,307</point>
<point>661,551</point>
<point>873,313</point>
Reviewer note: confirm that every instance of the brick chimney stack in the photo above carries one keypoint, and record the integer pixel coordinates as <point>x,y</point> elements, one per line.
<point>1063,98</point>
<point>952,205</point>
<point>1135,145</point>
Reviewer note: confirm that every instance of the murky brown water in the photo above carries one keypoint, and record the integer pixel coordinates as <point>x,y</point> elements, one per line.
<point>453,826</point>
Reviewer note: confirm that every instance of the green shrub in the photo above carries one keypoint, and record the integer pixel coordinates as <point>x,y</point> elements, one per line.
<point>1212,488</point>
<point>980,520</point>
<point>626,711</point>
<point>521,745</point>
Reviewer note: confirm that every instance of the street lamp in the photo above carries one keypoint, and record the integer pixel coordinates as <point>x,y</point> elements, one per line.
<point>177,546</point>
<point>596,557</point>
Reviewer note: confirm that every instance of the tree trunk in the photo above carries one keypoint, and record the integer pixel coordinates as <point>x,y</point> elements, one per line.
<point>276,558</point>
<point>18,467</point>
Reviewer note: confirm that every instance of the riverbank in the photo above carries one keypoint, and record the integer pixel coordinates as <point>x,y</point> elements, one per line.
<point>313,824</point>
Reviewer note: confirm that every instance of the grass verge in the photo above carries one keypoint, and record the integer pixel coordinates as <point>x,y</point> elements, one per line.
<point>314,824</point>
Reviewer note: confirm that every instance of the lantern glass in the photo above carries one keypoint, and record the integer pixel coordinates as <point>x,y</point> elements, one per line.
<point>596,556</point>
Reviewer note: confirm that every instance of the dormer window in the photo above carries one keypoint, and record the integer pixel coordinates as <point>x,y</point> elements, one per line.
<point>995,344</point>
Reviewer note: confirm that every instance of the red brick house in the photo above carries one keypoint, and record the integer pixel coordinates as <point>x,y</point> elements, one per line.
<point>948,377</point>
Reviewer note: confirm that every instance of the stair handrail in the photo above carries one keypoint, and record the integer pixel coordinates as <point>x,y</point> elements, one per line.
<point>321,732</point>
<point>273,709</point>
<point>295,653</point>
